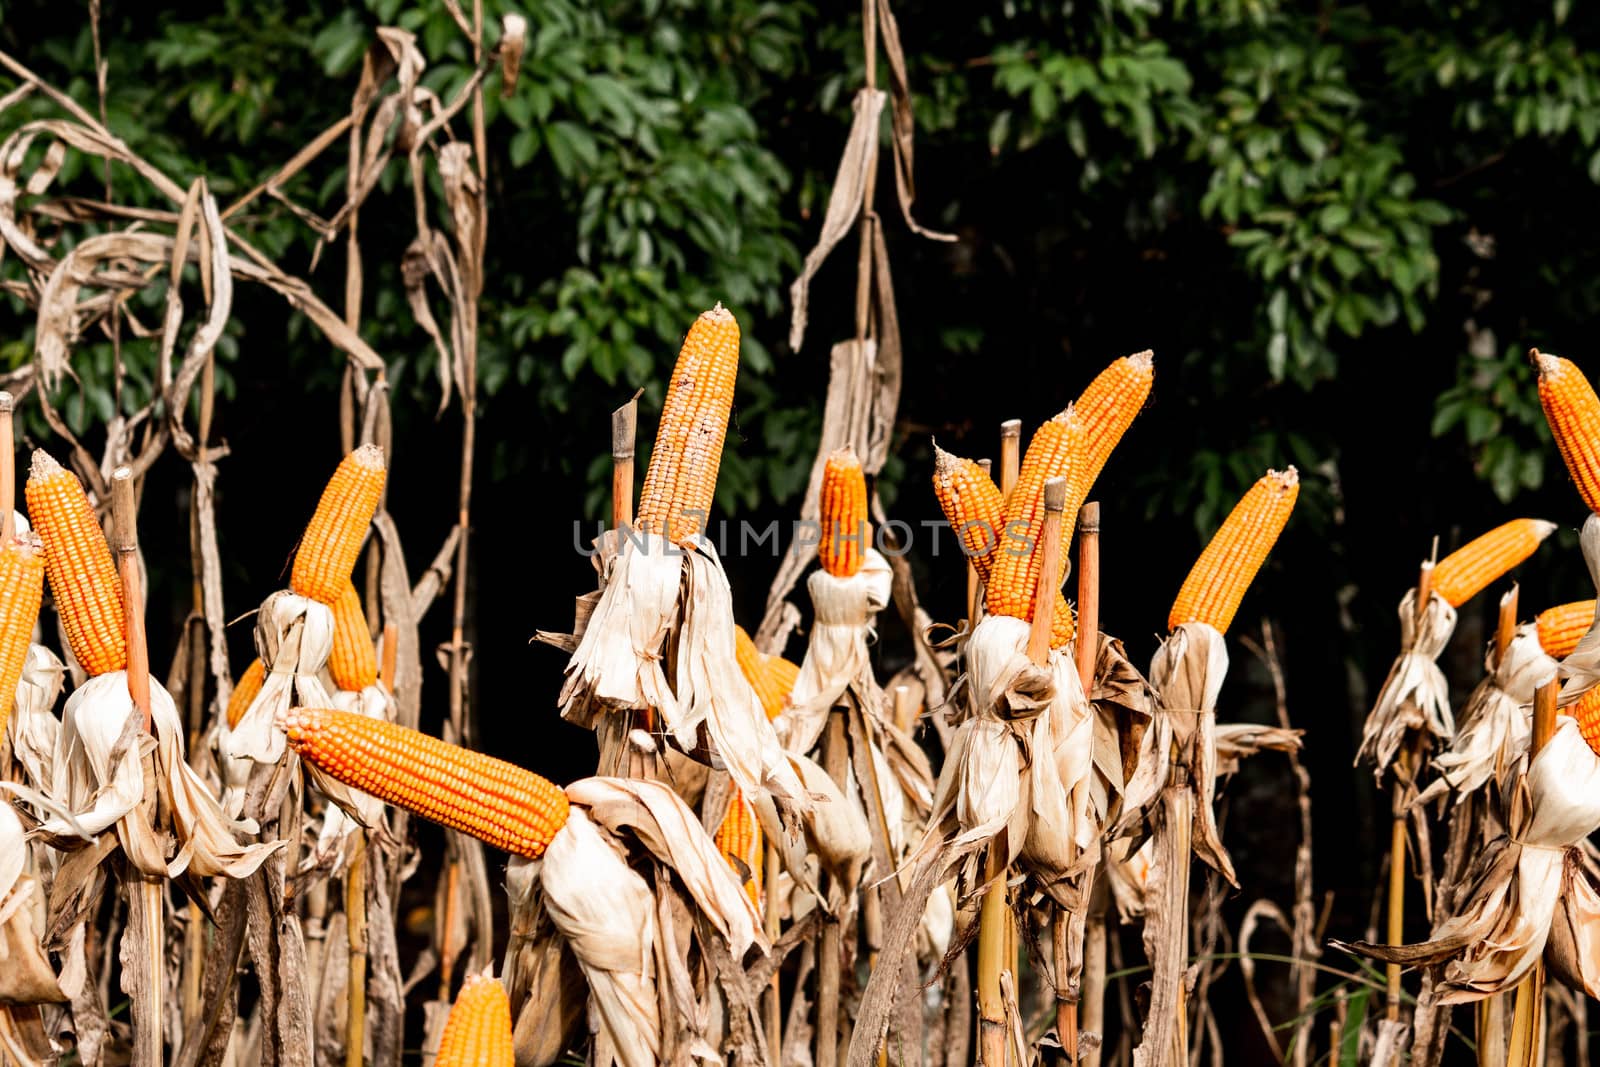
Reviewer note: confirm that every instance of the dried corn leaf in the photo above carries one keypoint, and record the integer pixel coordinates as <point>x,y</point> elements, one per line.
<point>26,976</point>
<point>34,728</point>
<point>1415,695</point>
<point>837,656</point>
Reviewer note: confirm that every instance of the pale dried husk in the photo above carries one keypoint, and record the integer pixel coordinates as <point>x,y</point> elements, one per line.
<point>26,976</point>
<point>1415,695</point>
<point>836,828</point>
<point>1495,725</point>
<point>837,657</point>
<point>1581,668</point>
<point>294,637</point>
<point>542,979</point>
<point>1069,790</point>
<point>618,663</point>
<point>606,914</point>
<point>1237,740</point>
<point>34,728</point>
<point>1505,916</point>
<point>1128,871</point>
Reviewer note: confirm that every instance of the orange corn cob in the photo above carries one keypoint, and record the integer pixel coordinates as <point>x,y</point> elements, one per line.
<point>1056,451</point>
<point>332,541</point>
<point>845,530</point>
<point>1467,571</point>
<point>477,1032</point>
<point>783,672</point>
<point>682,477</point>
<point>753,665</point>
<point>739,840</point>
<point>972,505</point>
<point>1587,712</point>
<point>1573,411</point>
<point>494,801</point>
<point>1108,407</point>
<point>21,589</point>
<point>1216,584</point>
<point>1562,627</point>
<point>353,662</point>
<point>244,691</point>
<point>83,576</point>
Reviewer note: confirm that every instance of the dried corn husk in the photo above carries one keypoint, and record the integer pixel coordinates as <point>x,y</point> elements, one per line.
<point>1495,725</point>
<point>1505,917</point>
<point>1581,669</point>
<point>617,665</point>
<point>294,637</point>
<point>606,913</point>
<point>837,657</point>
<point>34,728</point>
<point>837,831</point>
<point>541,976</point>
<point>1415,695</point>
<point>26,976</point>
<point>1129,874</point>
<point>99,780</point>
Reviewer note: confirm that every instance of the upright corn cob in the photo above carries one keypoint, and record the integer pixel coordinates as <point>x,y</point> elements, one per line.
<point>477,1032</point>
<point>739,841</point>
<point>494,801</point>
<point>332,542</point>
<point>1056,451</point>
<point>756,670</point>
<point>845,531</point>
<point>245,690</point>
<point>21,589</point>
<point>682,477</point>
<point>1108,407</point>
<point>353,662</point>
<point>1467,571</point>
<point>1573,411</point>
<point>83,577</point>
<point>1214,587</point>
<point>972,505</point>
<point>1562,627</point>
<point>1587,712</point>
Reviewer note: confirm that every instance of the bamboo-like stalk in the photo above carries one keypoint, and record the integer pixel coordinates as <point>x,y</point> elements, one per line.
<point>836,761</point>
<point>195,691</point>
<point>1087,648</point>
<point>1010,455</point>
<point>355,915</point>
<point>147,1010</point>
<point>624,438</point>
<point>8,471</point>
<point>1408,762</point>
<point>1527,1013</point>
<point>773,995</point>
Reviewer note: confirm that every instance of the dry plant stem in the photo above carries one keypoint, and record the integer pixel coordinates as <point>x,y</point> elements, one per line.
<point>624,435</point>
<point>773,1003</point>
<point>1407,763</point>
<point>1527,1013</point>
<point>355,911</point>
<point>835,760</point>
<point>148,1016</point>
<point>8,472</point>
<point>1010,454</point>
<point>1087,649</point>
<point>905,713</point>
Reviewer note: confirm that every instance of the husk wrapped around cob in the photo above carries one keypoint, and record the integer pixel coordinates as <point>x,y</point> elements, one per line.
<point>34,728</point>
<point>26,976</point>
<point>1415,695</point>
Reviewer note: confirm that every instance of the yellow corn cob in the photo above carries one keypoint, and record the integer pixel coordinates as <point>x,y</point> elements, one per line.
<point>332,542</point>
<point>972,505</point>
<point>1214,587</point>
<point>490,799</point>
<point>783,672</point>
<point>753,665</point>
<point>845,530</point>
<point>1108,407</point>
<point>1562,627</point>
<point>1587,712</point>
<point>1467,571</point>
<point>244,691</point>
<point>21,589</point>
<point>477,1032</point>
<point>83,576</point>
<point>1056,451</point>
<point>682,477</point>
<point>353,662</point>
<point>1573,411</point>
<point>739,840</point>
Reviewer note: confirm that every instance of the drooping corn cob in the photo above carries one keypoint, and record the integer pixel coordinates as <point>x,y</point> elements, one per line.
<point>1108,407</point>
<point>1587,712</point>
<point>1056,451</point>
<point>353,662</point>
<point>682,477</point>
<point>972,505</point>
<point>1219,578</point>
<point>245,690</point>
<point>1562,627</point>
<point>495,801</point>
<point>21,589</point>
<point>1573,411</point>
<point>845,531</point>
<point>1467,571</point>
<point>757,671</point>
<point>477,1032</point>
<point>83,577</point>
<point>739,841</point>
<point>332,542</point>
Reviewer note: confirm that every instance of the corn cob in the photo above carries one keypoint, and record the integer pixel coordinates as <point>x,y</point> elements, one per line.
<point>1587,712</point>
<point>83,576</point>
<point>754,666</point>
<point>490,799</point>
<point>1562,627</point>
<point>972,505</point>
<point>682,477</point>
<point>477,1032</point>
<point>332,542</point>
<point>1056,451</point>
<point>245,690</point>
<point>739,841</point>
<point>1108,407</point>
<point>353,662</point>
<point>784,672</point>
<point>845,531</point>
<point>1214,587</point>
<point>1467,571</point>
<point>21,589</point>
<point>1573,411</point>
